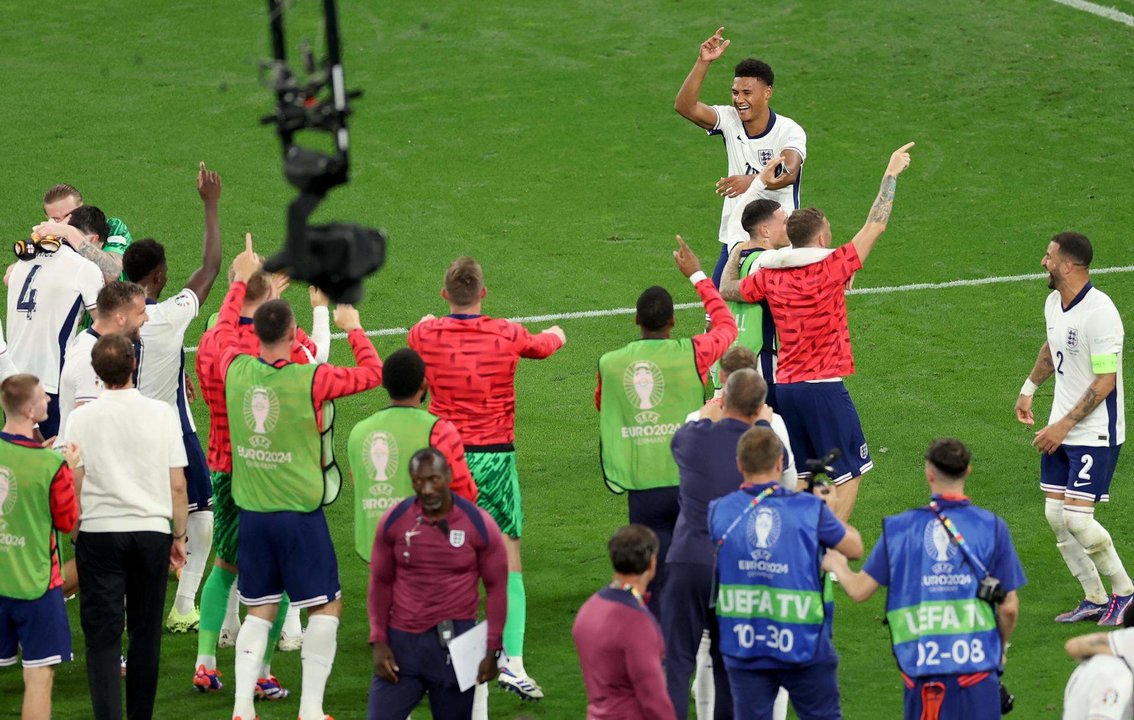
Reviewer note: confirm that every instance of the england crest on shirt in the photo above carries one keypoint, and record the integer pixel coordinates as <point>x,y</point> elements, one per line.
<point>457,538</point>
<point>1072,338</point>
<point>765,156</point>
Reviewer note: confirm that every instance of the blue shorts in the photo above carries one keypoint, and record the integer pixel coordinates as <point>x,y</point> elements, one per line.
<point>286,551</point>
<point>1079,472</point>
<point>960,697</point>
<point>814,691</point>
<point>38,627</point>
<point>198,480</point>
<point>819,418</point>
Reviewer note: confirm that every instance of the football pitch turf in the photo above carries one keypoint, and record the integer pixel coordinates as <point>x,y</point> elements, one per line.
<point>541,138</point>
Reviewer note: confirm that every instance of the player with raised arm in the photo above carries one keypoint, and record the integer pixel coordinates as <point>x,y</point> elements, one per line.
<point>161,375</point>
<point>470,363</point>
<point>755,137</point>
<point>1079,447</point>
<point>805,288</point>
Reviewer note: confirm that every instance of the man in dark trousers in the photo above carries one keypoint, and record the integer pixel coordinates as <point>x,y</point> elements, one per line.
<point>618,640</point>
<point>430,554</point>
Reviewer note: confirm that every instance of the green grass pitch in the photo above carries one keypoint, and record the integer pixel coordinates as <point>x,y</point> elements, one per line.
<point>540,137</point>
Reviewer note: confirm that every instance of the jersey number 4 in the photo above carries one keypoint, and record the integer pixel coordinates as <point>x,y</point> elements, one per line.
<point>26,301</point>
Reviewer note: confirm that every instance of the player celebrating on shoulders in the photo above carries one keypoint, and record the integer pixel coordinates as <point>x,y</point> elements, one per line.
<point>805,289</point>
<point>161,375</point>
<point>1080,445</point>
<point>278,414</point>
<point>755,137</point>
<point>470,363</point>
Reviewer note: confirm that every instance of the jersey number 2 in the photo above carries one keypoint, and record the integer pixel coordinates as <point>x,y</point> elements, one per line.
<point>26,302</point>
<point>1059,365</point>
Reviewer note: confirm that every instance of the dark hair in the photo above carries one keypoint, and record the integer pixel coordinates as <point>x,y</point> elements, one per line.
<point>950,457</point>
<point>90,221</point>
<point>16,391</point>
<point>463,281</point>
<point>142,258</point>
<point>631,549</point>
<point>112,358</point>
<point>803,225</point>
<point>1076,247</point>
<point>756,212</point>
<point>758,449</point>
<point>737,357</point>
<point>116,295</point>
<point>272,320</point>
<point>655,308</point>
<point>432,454</point>
<point>55,193</point>
<point>745,391</point>
<point>751,67</point>
<point>402,374</point>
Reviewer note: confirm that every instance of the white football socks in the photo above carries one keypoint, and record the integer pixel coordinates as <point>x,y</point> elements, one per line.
<point>480,702</point>
<point>250,647</point>
<point>200,530</point>
<point>1073,553</point>
<point>319,647</point>
<point>1097,544</point>
<point>704,690</point>
<point>232,613</point>
<point>292,626</point>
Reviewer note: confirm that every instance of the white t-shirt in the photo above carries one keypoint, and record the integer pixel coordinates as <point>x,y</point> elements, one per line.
<point>127,445</point>
<point>1089,330</point>
<point>78,383</point>
<point>1099,689</point>
<point>46,297</point>
<point>7,368</point>
<point>747,155</point>
<point>161,362</point>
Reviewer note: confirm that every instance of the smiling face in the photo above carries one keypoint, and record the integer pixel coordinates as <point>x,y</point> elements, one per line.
<point>750,97</point>
<point>1055,264</point>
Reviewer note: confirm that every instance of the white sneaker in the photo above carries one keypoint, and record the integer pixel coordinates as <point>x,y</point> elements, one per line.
<point>227,637</point>
<point>522,685</point>
<point>289,643</point>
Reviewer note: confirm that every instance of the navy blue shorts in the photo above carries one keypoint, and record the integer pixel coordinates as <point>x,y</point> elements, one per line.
<point>286,551</point>
<point>38,627</point>
<point>814,691</point>
<point>49,428</point>
<point>1079,472</point>
<point>961,697</point>
<point>820,417</point>
<point>424,668</point>
<point>198,481</point>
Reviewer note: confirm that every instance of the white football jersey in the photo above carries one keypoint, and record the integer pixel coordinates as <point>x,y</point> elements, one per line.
<point>1099,689</point>
<point>747,155</point>
<point>7,369</point>
<point>46,297</point>
<point>161,361</point>
<point>78,383</point>
<point>1090,330</point>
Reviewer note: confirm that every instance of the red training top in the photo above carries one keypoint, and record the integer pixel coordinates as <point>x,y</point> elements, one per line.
<point>211,382</point>
<point>470,363</point>
<point>64,506</point>
<point>447,440</point>
<point>330,381</point>
<point>809,306</point>
<point>424,571</point>
<point>621,650</point>
<point>707,347</point>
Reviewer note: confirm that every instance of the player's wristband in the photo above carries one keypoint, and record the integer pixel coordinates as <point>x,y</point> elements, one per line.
<point>1029,388</point>
<point>698,277</point>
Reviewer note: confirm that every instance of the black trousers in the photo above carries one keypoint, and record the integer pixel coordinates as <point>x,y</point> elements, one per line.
<point>123,577</point>
<point>657,509</point>
<point>685,616</point>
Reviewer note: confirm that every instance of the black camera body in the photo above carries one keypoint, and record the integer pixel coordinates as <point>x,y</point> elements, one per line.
<point>820,471</point>
<point>991,591</point>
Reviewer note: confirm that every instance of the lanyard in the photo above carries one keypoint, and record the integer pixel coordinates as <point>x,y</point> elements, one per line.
<point>717,550</point>
<point>630,589</point>
<point>956,536</point>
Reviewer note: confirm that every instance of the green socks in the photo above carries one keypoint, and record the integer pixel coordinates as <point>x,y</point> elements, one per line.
<point>277,628</point>
<point>517,615</point>
<point>214,603</point>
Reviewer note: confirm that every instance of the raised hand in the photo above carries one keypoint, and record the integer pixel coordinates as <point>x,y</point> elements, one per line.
<point>346,318</point>
<point>557,332</point>
<point>714,47</point>
<point>208,185</point>
<point>280,284</point>
<point>686,260</point>
<point>318,297</point>
<point>247,263</point>
<point>899,160</point>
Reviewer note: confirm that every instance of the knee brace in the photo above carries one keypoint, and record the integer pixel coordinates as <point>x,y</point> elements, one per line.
<point>1085,529</point>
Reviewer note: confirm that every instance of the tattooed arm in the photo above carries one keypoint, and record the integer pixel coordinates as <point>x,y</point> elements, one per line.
<point>883,204</point>
<point>1051,437</point>
<point>1086,646</point>
<point>730,278</point>
<point>109,263</point>
<point>1041,371</point>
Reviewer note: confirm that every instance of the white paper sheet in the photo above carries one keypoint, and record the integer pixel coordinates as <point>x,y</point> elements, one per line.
<point>467,651</point>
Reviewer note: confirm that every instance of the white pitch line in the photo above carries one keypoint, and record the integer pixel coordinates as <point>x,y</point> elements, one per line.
<point>580,314</point>
<point>1100,10</point>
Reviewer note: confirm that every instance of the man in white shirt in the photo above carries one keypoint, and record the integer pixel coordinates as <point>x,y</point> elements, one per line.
<point>46,298</point>
<point>161,375</point>
<point>1102,687</point>
<point>1080,445</point>
<point>754,136</point>
<point>121,308</point>
<point>131,486</point>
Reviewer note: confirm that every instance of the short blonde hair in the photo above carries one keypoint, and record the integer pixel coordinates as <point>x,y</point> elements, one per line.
<point>463,281</point>
<point>55,193</point>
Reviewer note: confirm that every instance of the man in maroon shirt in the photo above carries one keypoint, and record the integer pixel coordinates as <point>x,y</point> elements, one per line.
<point>619,642</point>
<point>429,554</point>
<point>804,286</point>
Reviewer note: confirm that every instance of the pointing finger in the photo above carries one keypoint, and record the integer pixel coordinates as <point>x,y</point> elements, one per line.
<point>248,242</point>
<point>906,147</point>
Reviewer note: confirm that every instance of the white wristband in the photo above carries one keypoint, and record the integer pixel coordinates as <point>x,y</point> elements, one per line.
<point>698,277</point>
<point>1029,388</point>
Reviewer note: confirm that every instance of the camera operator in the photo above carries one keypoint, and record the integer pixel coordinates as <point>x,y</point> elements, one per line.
<point>952,575</point>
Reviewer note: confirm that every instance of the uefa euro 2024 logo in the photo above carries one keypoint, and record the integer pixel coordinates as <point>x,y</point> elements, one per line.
<point>763,531</point>
<point>7,495</point>
<point>382,457</point>
<point>645,387</point>
<point>939,546</point>
<point>261,413</point>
